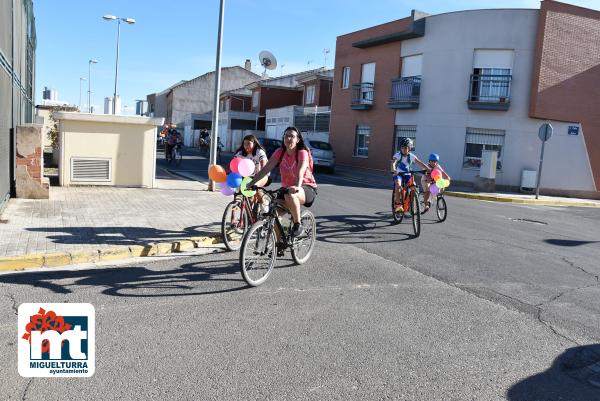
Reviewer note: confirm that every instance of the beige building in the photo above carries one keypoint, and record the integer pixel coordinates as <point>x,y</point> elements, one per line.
<point>107,150</point>
<point>196,95</point>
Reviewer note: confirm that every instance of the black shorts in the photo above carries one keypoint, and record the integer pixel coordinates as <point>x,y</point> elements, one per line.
<point>310,194</point>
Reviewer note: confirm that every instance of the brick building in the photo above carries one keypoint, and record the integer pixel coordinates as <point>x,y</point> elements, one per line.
<point>463,82</point>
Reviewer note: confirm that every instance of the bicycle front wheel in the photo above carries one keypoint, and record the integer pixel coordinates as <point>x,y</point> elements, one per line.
<point>441,208</point>
<point>415,211</point>
<point>178,157</point>
<point>303,245</point>
<point>258,253</point>
<point>398,216</point>
<point>234,223</point>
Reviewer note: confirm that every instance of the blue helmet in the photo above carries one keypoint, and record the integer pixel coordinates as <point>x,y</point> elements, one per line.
<point>434,157</point>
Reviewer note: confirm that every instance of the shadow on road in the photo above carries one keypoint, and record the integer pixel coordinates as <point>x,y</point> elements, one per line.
<point>139,282</point>
<point>354,229</point>
<point>123,235</point>
<point>568,242</point>
<point>574,376</point>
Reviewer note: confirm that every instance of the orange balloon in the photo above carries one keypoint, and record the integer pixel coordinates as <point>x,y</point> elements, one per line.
<point>217,173</point>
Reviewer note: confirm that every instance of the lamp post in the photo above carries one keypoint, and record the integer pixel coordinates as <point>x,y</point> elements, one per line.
<point>215,114</point>
<point>92,61</point>
<point>81,79</point>
<point>130,21</point>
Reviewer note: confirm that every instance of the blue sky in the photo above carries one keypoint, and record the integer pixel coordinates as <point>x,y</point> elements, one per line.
<point>176,39</point>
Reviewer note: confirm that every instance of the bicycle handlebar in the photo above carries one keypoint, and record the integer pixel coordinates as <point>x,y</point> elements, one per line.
<point>281,190</point>
<point>411,172</point>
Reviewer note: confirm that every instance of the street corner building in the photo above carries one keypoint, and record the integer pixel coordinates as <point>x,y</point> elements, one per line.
<point>17,83</point>
<point>466,82</point>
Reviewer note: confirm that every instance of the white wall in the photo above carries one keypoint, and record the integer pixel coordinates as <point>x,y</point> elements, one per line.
<point>443,114</point>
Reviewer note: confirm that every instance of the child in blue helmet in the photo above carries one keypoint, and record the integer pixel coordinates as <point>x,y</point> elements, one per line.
<point>426,180</point>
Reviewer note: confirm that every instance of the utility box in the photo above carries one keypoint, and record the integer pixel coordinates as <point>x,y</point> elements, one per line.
<point>107,149</point>
<point>489,161</point>
<point>528,180</point>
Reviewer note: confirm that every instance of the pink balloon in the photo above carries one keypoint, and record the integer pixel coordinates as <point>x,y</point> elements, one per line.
<point>436,174</point>
<point>434,189</point>
<point>233,165</point>
<point>226,190</point>
<point>245,167</point>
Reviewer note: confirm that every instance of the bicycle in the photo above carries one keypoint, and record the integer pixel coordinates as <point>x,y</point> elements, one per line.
<point>204,148</point>
<point>175,154</point>
<point>260,247</point>
<point>441,209</point>
<point>410,202</point>
<point>239,214</point>
<point>440,206</point>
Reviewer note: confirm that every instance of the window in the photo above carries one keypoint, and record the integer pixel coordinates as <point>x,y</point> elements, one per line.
<point>477,141</point>
<point>406,131</point>
<point>491,85</point>
<point>310,95</point>
<point>361,144</point>
<point>345,77</point>
<point>255,99</point>
<point>412,66</point>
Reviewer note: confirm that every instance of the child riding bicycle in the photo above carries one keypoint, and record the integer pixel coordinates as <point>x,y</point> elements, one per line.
<point>401,167</point>
<point>426,180</point>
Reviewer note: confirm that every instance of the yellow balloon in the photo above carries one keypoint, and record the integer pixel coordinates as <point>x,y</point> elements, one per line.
<point>247,192</point>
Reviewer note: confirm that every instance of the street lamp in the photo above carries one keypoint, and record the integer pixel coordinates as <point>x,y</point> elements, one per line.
<point>215,114</point>
<point>81,79</point>
<point>92,61</point>
<point>130,21</point>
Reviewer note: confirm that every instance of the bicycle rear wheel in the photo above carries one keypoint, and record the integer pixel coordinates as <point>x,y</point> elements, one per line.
<point>304,244</point>
<point>441,208</point>
<point>397,216</point>
<point>415,211</point>
<point>234,223</point>
<point>258,253</point>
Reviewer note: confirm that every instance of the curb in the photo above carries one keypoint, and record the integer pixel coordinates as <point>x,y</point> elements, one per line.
<point>60,259</point>
<point>546,202</point>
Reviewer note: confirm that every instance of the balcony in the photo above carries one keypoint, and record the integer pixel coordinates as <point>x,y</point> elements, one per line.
<point>405,93</point>
<point>363,95</point>
<point>489,92</point>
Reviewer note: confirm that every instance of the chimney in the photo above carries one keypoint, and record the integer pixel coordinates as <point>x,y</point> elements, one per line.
<point>248,65</point>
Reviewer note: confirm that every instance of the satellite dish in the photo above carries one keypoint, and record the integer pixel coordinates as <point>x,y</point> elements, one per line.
<point>267,60</point>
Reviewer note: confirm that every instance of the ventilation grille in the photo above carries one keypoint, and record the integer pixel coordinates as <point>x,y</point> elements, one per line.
<point>90,170</point>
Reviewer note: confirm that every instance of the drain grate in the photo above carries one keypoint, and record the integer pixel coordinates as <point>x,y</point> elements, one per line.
<point>542,223</point>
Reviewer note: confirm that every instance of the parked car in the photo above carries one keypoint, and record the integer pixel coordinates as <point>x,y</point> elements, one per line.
<point>270,145</point>
<point>323,155</point>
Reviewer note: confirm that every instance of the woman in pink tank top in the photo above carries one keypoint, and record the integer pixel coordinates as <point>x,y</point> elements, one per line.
<point>293,159</point>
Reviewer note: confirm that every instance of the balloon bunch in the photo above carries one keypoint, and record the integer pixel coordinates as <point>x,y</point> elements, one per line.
<point>241,169</point>
<point>440,182</point>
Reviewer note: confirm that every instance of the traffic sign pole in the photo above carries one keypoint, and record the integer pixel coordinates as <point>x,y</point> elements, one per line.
<point>544,133</point>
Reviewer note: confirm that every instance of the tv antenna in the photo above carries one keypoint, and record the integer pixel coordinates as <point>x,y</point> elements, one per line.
<point>267,60</point>
<point>326,52</point>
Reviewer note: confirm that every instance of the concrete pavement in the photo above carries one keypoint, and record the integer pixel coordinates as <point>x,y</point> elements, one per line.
<point>89,224</point>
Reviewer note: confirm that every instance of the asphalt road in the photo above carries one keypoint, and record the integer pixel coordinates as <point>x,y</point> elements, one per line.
<point>499,302</point>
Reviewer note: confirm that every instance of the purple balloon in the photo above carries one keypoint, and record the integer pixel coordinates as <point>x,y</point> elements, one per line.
<point>226,190</point>
<point>434,189</point>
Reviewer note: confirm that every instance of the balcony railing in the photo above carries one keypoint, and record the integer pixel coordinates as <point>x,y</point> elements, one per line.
<point>363,95</point>
<point>405,93</point>
<point>489,92</point>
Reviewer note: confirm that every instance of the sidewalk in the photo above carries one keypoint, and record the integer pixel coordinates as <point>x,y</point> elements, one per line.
<point>382,179</point>
<point>90,224</point>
